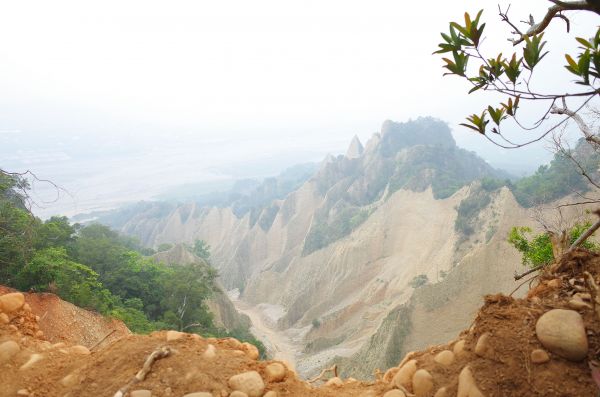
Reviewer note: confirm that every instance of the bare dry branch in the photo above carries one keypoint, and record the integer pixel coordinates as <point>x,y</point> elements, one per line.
<point>555,12</point>
<point>157,354</point>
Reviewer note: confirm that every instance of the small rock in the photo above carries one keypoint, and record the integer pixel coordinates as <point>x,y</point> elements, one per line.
<point>7,350</point>
<point>394,393</point>
<point>422,382</point>
<point>236,344</point>
<point>459,347</point>
<point>237,393</point>
<point>389,374</point>
<point>483,347</point>
<point>445,357</point>
<point>13,328</point>
<point>238,353</point>
<point>11,302</point>
<point>210,352</point>
<point>335,381</point>
<point>79,349</point>
<point>4,318</point>
<point>585,296</point>
<point>39,334</point>
<point>34,358</point>
<point>26,307</point>
<point>23,392</point>
<point>442,392</point>
<point>563,333</point>
<point>141,393</point>
<point>539,356</point>
<point>577,303</point>
<point>466,384</point>
<point>58,345</point>
<point>249,382</point>
<point>251,351</point>
<point>275,372</point>
<point>174,335</point>
<point>351,380</point>
<point>197,394</point>
<point>271,393</point>
<point>555,283</point>
<point>70,380</point>
<point>168,391</point>
<point>404,376</point>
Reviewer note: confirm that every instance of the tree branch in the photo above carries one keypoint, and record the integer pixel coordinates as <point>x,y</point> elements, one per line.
<point>554,11</point>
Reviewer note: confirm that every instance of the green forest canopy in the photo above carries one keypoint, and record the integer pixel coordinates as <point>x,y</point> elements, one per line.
<point>96,268</point>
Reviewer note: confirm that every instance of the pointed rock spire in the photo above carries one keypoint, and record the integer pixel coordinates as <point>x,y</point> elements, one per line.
<point>356,149</point>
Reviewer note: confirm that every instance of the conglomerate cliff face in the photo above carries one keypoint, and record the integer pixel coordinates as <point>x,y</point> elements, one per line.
<point>335,257</point>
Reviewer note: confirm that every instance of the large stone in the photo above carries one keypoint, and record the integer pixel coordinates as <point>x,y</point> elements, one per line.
<point>8,350</point>
<point>563,333</point>
<point>445,357</point>
<point>11,302</point>
<point>403,377</point>
<point>249,382</point>
<point>422,383</point>
<point>394,393</point>
<point>275,372</point>
<point>466,384</point>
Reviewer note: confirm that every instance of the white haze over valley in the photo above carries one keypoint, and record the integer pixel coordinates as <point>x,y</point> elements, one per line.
<point>123,101</point>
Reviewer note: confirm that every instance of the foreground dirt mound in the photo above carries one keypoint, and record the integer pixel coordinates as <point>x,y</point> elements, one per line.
<point>544,345</point>
<point>61,321</point>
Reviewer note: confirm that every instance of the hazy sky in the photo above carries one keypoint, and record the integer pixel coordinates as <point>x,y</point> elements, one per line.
<point>129,91</point>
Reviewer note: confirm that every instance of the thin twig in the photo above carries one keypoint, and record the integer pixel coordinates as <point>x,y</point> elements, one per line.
<point>103,339</point>
<point>520,276</point>
<point>523,283</point>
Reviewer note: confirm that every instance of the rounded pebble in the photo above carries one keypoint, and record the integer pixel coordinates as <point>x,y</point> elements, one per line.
<point>275,372</point>
<point>394,393</point>
<point>445,357</point>
<point>422,382</point>
<point>335,381</point>
<point>466,384</point>
<point>210,352</point>
<point>7,350</point>
<point>250,383</point>
<point>12,302</point>
<point>539,356</point>
<point>483,347</point>
<point>141,393</point>
<point>174,335</point>
<point>403,377</point>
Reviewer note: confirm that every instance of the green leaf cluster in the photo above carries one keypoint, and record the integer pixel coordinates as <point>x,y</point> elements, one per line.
<point>536,249</point>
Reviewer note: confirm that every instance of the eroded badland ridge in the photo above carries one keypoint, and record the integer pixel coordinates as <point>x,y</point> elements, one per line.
<point>329,262</point>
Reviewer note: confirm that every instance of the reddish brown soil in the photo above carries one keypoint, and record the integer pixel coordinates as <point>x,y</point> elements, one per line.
<point>507,371</point>
<point>62,321</point>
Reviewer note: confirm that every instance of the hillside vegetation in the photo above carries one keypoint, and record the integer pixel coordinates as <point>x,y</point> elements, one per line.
<point>98,269</point>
